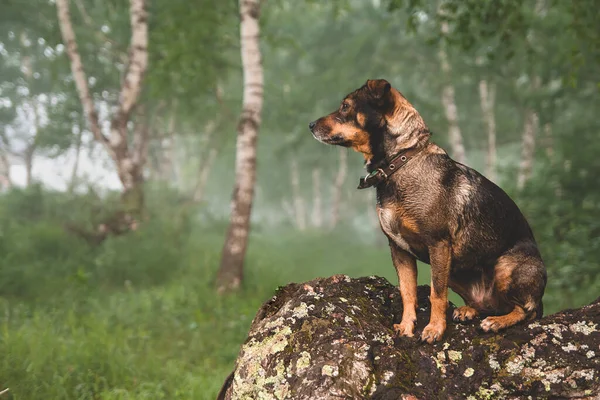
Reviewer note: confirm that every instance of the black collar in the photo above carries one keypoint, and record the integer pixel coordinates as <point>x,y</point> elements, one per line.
<point>381,174</point>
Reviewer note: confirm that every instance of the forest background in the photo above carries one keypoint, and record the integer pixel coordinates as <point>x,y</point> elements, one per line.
<point>120,274</point>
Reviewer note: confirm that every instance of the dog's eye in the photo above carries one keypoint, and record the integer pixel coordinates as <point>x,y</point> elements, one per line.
<point>344,107</point>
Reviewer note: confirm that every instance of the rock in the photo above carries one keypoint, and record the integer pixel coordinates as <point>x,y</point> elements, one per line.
<point>332,339</point>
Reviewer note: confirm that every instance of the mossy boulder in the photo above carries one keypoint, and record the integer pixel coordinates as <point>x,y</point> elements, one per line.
<point>332,338</point>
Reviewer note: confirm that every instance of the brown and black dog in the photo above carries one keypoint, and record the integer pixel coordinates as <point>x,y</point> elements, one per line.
<point>441,212</point>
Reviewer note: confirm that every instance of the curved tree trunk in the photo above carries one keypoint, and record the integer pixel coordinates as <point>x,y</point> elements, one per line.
<point>234,250</point>
<point>333,338</point>
<point>128,159</point>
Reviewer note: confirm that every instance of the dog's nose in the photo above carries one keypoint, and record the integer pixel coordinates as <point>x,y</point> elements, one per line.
<point>312,125</point>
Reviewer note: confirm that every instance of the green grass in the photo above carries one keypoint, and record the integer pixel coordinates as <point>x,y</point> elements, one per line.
<point>143,321</point>
<point>139,318</point>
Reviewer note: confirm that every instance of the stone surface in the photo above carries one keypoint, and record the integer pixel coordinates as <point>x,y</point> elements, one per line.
<point>332,339</point>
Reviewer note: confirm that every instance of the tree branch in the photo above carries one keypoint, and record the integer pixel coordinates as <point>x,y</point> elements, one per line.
<point>68,35</point>
<point>138,62</point>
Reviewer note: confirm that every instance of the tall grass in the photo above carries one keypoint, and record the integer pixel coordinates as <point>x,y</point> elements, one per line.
<point>138,317</point>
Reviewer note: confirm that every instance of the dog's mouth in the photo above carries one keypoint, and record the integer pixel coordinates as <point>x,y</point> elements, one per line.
<point>338,140</point>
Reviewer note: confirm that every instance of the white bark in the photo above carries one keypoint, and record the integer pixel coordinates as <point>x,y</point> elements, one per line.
<point>5,182</point>
<point>338,186</point>
<point>487,96</point>
<point>530,128</point>
<point>449,103</point>
<point>548,142</point>
<point>234,249</point>
<point>298,201</point>
<point>75,169</point>
<point>138,59</point>
<point>531,122</point>
<point>204,173</point>
<point>129,162</point>
<point>79,76</point>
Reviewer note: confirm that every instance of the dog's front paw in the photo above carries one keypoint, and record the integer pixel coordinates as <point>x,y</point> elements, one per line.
<point>464,313</point>
<point>433,332</point>
<point>405,328</point>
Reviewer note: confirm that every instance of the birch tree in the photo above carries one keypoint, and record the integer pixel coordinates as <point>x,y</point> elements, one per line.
<point>297,200</point>
<point>129,158</point>
<point>317,212</point>
<point>449,103</point>
<point>530,127</point>
<point>487,97</point>
<point>234,250</point>
<point>338,185</point>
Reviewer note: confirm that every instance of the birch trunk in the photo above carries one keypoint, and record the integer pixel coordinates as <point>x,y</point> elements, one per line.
<point>167,151</point>
<point>29,151</point>
<point>487,96</point>
<point>337,187</point>
<point>317,211</point>
<point>548,142</point>
<point>206,162</point>
<point>449,103</point>
<point>234,249</point>
<point>531,122</point>
<point>129,160</point>
<point>75,169</point>
<point>28,161</point>
<point>5,182</point>
<point>203,174</point>
<point>530,128</point>
<point>298,201</point>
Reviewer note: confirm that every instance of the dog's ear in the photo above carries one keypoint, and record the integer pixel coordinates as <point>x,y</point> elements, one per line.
<point>379,88</point>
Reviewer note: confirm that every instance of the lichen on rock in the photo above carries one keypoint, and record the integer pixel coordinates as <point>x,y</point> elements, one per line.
<point>332,338</point>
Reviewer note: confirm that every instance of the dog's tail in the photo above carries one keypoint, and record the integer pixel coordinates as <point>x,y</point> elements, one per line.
<point>225,392</point>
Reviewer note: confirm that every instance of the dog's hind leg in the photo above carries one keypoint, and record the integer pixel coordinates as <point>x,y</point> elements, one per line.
<point>494,324</point>
<point>519,282</point>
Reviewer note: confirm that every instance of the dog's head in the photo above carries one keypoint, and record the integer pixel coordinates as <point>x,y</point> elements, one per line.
<point>373,120</point>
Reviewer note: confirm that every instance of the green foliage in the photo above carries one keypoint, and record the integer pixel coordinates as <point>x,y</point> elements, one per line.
<point>563,204</point>
<point>137,317</point>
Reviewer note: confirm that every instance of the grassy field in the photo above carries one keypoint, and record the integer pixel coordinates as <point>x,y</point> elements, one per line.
<point>138,318</point>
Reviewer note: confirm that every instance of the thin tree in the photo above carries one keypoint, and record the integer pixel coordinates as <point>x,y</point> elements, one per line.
<point>128,158</point>
<point>231,271</point>
<point>531,120</point>
<point>338,185</point>
<point>298,201</point>
<point>487,97</point>
<point>449,103</point>
<point>530,128</point>
<point>317,212</point>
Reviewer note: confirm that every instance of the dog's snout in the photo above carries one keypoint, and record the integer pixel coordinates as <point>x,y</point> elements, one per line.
<point>312,125</point>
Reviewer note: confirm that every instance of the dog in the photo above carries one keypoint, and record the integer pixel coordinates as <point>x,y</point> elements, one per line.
<point>441,212</point>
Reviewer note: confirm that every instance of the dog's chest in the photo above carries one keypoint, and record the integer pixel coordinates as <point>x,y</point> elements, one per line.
<point>391,224</point>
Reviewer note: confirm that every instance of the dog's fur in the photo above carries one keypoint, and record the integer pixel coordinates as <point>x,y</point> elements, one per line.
<point>441,212</point>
